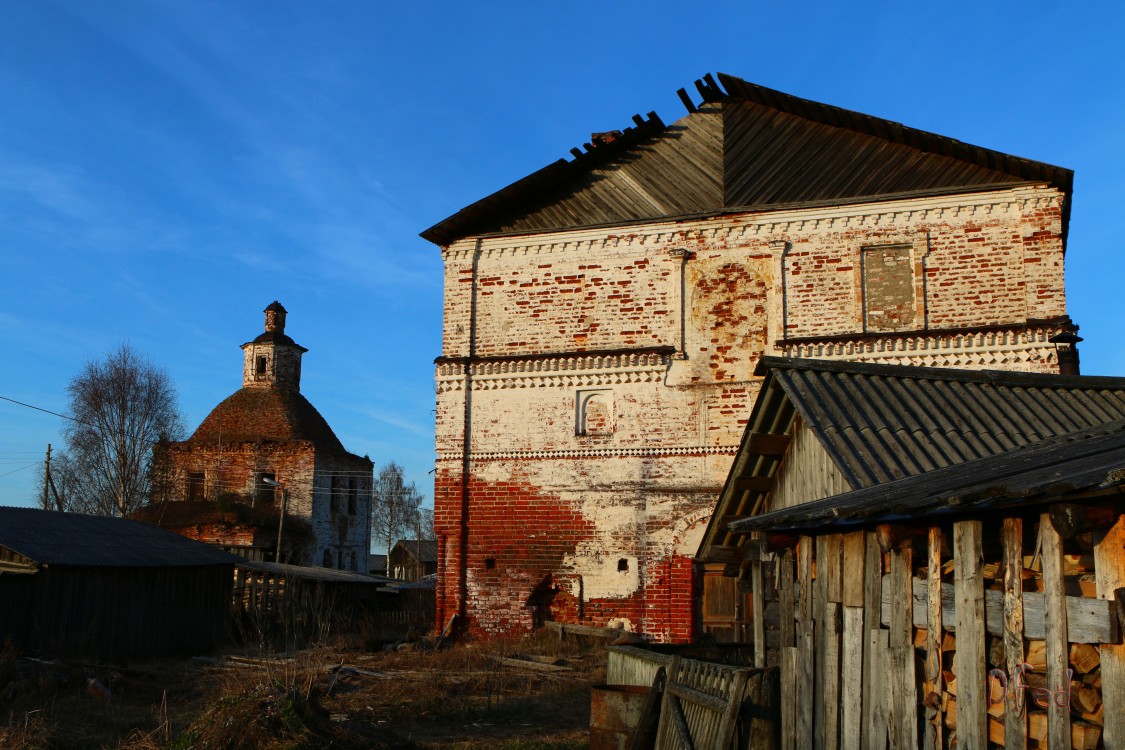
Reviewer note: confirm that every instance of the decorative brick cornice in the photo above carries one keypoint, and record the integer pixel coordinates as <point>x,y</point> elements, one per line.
<point>767,223</point>
<point>993,348</point>
<point>580,453</point>
<point>572,370</point>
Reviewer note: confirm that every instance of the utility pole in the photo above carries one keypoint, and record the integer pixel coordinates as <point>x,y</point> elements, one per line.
<point>47,480</point>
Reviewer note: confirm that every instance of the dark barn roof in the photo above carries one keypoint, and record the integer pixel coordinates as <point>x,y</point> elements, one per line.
<point>71,539</point>
<point>423,550</point>
<point>879,423</point>
<point>1058,468</point>
<point>884,422</point>
<point>745,148</point>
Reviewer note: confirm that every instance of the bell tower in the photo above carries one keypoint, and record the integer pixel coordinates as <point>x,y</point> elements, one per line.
<point>273,360</point>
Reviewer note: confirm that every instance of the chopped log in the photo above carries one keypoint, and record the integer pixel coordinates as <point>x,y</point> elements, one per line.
<point>1036,655</point>
<point>1082,735</point>
<point>1084,698</point>
<point>1084,658</point>
<point>996,732</point>
<point>1097,716</point>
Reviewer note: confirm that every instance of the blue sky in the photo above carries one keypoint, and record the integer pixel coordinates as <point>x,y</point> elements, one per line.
<point>168,169</point>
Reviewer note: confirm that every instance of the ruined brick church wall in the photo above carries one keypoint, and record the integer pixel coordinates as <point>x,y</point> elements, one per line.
<point>612,377</point>
<point>231,471</point>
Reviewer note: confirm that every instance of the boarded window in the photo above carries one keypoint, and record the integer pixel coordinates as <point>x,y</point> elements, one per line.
<point>888,289</point>
<point>195,486</point>
<point>594,413</point>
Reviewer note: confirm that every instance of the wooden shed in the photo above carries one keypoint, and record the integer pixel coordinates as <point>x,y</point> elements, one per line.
<point>72,585</point>
<point>820,428</point>
<point>977,605</point>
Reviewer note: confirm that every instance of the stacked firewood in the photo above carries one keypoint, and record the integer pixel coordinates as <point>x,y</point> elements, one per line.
<point>1028,691</point>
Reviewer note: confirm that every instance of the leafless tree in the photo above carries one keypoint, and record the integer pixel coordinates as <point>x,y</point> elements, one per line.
<point>396,507</point>
<point>120,407</point>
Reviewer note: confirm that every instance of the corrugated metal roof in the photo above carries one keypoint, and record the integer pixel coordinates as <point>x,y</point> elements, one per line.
<point>746,148</point>
<point>51,538</point>
<point>885,422</point>
<point>880,423</point>
<point>1049,471</point>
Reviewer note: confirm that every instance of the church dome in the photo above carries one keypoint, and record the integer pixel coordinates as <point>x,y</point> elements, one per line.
<point>266,414</point>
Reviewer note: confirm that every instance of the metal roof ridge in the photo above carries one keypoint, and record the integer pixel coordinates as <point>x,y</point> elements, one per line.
<point>915,372</point>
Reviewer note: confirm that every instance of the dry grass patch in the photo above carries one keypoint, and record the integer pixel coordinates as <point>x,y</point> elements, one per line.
<point>460,698</point>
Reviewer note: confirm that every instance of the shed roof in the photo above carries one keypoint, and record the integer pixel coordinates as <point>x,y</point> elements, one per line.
<point>1081,463</point>
<point>310,573</point>
<point>747,147</point>
<point>423,550</point>
<point>879,423</point>
<point>73,539</point>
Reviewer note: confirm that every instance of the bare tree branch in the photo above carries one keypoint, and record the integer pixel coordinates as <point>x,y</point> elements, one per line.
<point>120,407</point>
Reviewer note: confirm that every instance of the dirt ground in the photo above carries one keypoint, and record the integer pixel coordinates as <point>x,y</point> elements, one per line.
<point>522,694</point>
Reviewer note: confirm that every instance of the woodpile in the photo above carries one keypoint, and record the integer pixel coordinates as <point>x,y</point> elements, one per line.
<point>1083,695</point>
<point>1028,692</point>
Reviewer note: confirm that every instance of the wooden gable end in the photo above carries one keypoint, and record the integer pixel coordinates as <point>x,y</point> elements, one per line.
<point>807,473</point>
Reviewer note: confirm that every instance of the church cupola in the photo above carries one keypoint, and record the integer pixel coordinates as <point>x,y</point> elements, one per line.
<point>273,360</point>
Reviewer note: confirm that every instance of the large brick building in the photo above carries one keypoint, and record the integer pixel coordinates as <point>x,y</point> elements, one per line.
<point>263,448</point>
<point>604,315</point>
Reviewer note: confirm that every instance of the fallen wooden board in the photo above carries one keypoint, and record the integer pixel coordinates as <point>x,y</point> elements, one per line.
<point>523,664</point>
<point>563,629</point>
<point>1088,620</point>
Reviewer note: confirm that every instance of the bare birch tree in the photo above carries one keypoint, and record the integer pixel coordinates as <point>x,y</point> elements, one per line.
<point>120,407</point>
<point>396,507</point>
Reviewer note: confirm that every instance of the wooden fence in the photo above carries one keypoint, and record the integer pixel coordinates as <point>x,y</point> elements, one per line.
<point>976,633</point>
<point>705,705</point>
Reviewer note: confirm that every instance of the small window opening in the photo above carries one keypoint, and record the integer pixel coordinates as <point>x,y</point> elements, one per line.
<point>260,366</point>
<point>195,485</point>
<point>263,492</point>
<point>623,565</point>
<point>490,563</point>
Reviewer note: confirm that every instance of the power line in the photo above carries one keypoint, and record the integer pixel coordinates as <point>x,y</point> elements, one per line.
<point>48,411</point>
<point>13,471</point>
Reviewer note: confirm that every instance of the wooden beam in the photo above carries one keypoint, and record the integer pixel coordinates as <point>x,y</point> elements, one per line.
<point>768,444</point>
<point>933,677</point>
<point>1015,722</point>
<point>753,484</point>
<point>969,659</point>
<point>900,641</point>
<point>1054,603</point>
<point>724,553</point>
<point>1088,620</point>
<point>1109,572</point>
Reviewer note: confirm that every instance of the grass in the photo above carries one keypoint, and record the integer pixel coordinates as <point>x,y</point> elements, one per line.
<point>460,698</point>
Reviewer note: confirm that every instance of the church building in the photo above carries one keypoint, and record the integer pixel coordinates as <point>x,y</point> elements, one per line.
<point>603,318</point>
<point>264,473</point>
